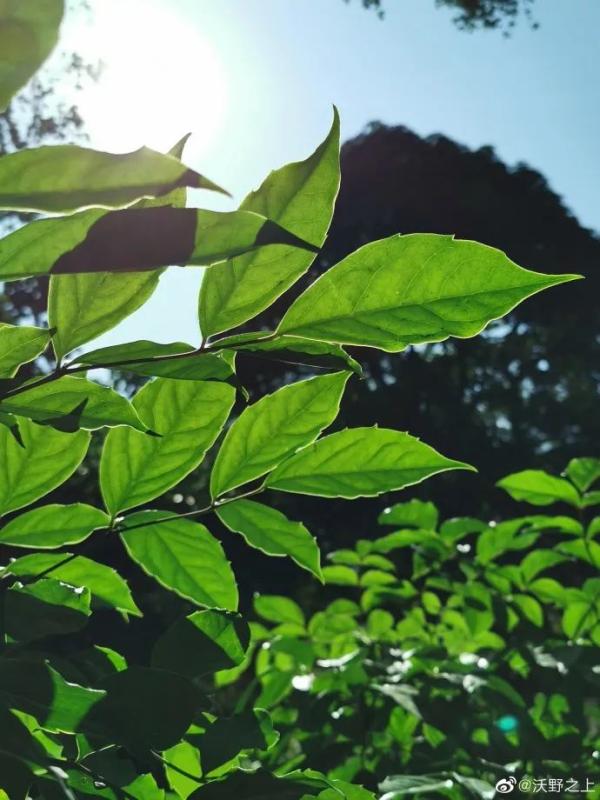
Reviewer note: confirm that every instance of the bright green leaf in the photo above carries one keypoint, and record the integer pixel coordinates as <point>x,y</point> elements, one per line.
<point>273,428</point>
<point>530,608</point>
<point>412,514</point>
<point>340,575</point>
<point>300,197</point>
<point>187,415</point>
<point>182,556</point>
<point>272,532</point>
<point>577,619</point>
<point>538,561</point>
<point>583,472</point>
<point>66,177</point>
<point>360,462</point>
<point>412,289</point>
<point>276,608</point>
<point>539,488</point>
<point>53,526</point>
<point>46,460</point>
<point>18,345</point>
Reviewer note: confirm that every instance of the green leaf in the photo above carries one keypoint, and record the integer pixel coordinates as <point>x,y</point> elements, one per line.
<point>583,472</point>
<point>276,608</point>
<point>105,584</point>
<point>538,561</point>
<point>412,289</point>
<point>360,462</point>
<point>100,406</point>
<point>187,415</point>
<point>10,422</point>
<point>146,709</point>
<point>273,428</point>
<point>53,526</point>
<point>530,609</point>
<point>398,785</point>
<point>590,499</point>
<point>65,177</point>
<point>46,460</point>
<point>300,197</point>
<point>261,785</point>
<point>272,532</point>
<point>538,488</point>
<point>135,240</point>
<point>182,556</point>
<point>81,307</point>
<point>202,643</point>
<point>194,366</point>
<point>28,34</point>
<point>46,608</point>
<point>456,528</point>
<point>340,575</point>
<point>582,549</point>
<point>292,350</point>
<point>37,689</point>
<point>226,738</point>
<point>578,617</point>
<point>18,345</point>
<point>413,514</point>
<point>182,760</point>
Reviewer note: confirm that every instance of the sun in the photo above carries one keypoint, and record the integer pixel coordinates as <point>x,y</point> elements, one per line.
<point>160,78</point>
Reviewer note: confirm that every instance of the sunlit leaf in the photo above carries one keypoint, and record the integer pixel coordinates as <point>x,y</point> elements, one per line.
<point>412,514</point>
<point>277,608</point>
<point>539,488</point>
<point>28,33</point>
<point>582,471</point>
<point>187,415</point>
<point>360,462</point>
<point>411,289</point>
<point>66,177</point>
<point>98,406</point>
<point>53,526</point>
<point>272,532</point>
<point>182,556</point>
<point>20,344</point>
<point>46,460</point>
<point>300,197</point>
<point>275,427</point>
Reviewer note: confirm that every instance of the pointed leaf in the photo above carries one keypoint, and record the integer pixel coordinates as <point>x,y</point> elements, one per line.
<point>412,289</point>
<point>103,406</point>
<point>46,460</point>
<point>538,488</point>
<point>300,197</point>
<point>182,556</point>
<point>582,471</point>
<point>46,608</point>
<point>202,643</point>
<point>273,428</point>
<point>413,514</point>
<point>279,609</point>
<point>28,34</point>
<point>66,177</point>
<point>187,415</point>
<point>272,532</point>
<point>360,462</point>
<point>194,366</point>
<point>18,345</point>
<point>53,526</point>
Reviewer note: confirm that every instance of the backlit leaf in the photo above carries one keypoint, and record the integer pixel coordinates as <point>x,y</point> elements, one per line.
<point>277,608</point>
<point>20,344</point>
<point>53,526</point>
<point>412,289</point>
<point>582,471</point>
<point>300,197</point>
<point>182,556</point>
<point>187,415</point>
<point>412,514</point>
<point>539,488</point>
<point>360,462</point>
<point>272,532</point>
<point>46,460</point>
<point>274,427</point>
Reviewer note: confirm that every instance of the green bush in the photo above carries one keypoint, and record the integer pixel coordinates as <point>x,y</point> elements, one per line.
<point>78,720</point>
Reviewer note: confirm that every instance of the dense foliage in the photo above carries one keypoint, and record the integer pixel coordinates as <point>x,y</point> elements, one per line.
<point>77,717</point>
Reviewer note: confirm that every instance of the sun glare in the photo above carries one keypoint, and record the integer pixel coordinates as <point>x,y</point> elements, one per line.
<point>160,78</point>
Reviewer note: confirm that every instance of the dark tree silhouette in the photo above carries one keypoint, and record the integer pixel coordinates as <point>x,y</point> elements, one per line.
<point>475,14</point>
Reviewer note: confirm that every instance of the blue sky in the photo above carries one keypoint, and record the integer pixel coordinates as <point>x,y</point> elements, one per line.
<point>263,95</point>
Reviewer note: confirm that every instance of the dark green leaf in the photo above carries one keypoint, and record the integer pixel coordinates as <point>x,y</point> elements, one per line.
<point>45,608</point>
<point>273,428</point>
<point>46,460</point>
<point>360,462</point>
<point>187,415</point>
<point>272,532</point>
<point>182,556</point>
<point>53,526</point>
<point>300,197</point>
<point>28,33</point>
<point>201,643</point>
<point>421,288</point>
<point>225,738</point>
